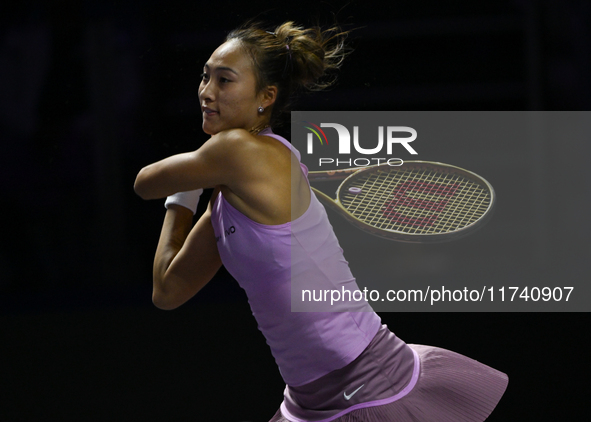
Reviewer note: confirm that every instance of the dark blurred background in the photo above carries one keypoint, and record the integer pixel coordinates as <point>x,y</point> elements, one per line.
<point>91,91</point>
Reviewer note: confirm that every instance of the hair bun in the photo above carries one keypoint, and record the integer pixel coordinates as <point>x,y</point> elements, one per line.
<point>292,58</point>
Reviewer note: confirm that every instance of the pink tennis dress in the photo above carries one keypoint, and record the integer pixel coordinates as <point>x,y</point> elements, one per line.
<point>341,366</point>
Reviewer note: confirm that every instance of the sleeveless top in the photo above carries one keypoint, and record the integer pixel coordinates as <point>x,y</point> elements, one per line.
<point>272,263</point>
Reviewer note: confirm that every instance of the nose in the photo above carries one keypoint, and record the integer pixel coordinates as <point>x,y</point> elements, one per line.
<point>206,91</point>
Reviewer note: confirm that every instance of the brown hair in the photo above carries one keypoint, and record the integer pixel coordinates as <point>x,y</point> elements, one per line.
<point>292,58</point>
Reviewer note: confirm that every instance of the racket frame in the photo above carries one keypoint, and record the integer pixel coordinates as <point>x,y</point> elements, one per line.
<point>347,174</point>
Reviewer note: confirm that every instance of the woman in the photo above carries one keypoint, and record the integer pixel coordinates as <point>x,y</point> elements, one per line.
<point>269,230</point>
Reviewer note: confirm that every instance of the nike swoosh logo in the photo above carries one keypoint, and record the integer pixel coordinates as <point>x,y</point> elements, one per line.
<point>348,396</point>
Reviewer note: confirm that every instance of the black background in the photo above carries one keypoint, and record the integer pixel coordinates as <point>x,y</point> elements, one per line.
<point>92,91</point>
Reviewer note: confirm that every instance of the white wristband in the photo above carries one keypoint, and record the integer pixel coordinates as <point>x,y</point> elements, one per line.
<point>188,199</point>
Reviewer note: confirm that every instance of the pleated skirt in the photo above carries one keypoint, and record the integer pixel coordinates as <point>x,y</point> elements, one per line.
<point>450,387</point>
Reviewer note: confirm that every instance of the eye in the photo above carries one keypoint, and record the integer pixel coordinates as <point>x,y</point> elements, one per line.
<point>204,77</point>
<point>224,80</point>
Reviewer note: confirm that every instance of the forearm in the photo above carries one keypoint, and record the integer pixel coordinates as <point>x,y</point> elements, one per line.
<point>175,229</point>
<point>158,180</point>
<point>186,259</point>
<point>178,173</point>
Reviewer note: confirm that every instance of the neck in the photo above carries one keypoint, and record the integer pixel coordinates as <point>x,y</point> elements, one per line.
<point>255,130</point>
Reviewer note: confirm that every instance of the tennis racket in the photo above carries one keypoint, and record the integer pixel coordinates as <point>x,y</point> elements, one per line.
<point>418,202</point>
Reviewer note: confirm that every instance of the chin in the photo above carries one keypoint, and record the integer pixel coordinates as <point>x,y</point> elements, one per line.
<point>208,129</point>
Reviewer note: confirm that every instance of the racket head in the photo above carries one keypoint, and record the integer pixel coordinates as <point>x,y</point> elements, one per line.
<point>417,202</point>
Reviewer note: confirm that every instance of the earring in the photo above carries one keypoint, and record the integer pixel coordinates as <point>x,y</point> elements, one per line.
<point>261,109</point>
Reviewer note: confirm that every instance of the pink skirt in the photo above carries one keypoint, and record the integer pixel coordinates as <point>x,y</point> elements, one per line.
<point>448,387</point>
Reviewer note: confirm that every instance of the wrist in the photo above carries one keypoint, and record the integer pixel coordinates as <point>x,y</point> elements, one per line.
<point>189,199</point>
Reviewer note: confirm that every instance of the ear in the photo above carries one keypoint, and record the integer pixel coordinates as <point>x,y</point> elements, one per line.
<point>268,96</point>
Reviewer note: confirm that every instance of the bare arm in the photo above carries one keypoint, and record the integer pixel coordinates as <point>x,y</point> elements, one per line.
<point>251,172</point>
<point>220,161</point>
<point>186,258</point>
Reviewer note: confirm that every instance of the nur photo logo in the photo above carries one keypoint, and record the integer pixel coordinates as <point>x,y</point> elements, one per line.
<point>374,143</point>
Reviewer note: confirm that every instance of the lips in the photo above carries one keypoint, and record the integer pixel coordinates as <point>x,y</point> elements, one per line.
<point>209,111</point>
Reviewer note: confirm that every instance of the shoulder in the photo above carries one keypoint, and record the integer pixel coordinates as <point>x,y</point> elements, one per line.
<point>239,157</point>
<point>232,135</point>
<point>225,147</point>
<point>239,144</point>
<point>236,138</point>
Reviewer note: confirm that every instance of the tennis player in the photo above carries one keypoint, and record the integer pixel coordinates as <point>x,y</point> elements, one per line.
<point>269,230</point>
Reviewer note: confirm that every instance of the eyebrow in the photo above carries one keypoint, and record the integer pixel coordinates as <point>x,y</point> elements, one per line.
<point>222,68</point>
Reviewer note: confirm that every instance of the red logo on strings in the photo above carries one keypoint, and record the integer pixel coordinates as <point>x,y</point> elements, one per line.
<point>401,199</point>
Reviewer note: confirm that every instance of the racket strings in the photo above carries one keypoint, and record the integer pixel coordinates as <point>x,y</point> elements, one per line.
<point>420,212</point>
<point>416,201</point>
